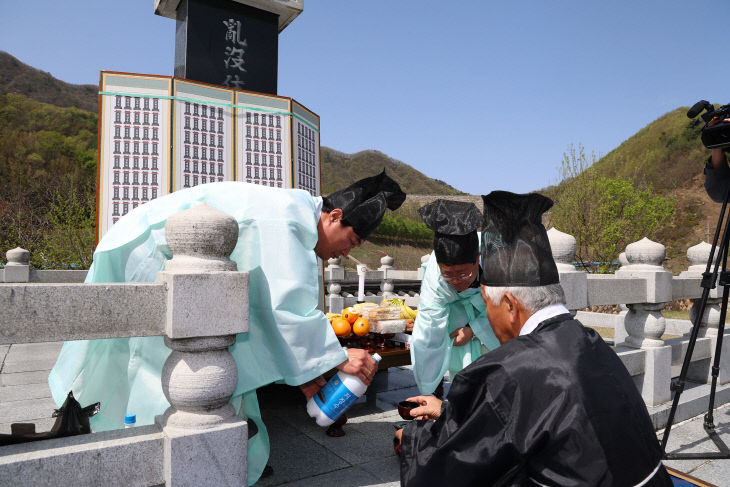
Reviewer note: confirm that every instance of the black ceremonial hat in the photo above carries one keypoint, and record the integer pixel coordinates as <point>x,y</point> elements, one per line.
<point>515,246</point>
<point>363,203</point>
<point>455,224</point>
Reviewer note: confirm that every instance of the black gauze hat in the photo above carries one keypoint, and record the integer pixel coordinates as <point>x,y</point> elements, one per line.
<point>363,203</point>
<point>455,224</point>
<point>515,246</point>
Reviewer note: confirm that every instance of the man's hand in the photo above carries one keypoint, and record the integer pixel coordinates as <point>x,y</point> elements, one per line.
<point>309,389</point>
<point>718,156</point>
<point>359,363</point>
<point>462,335</point>
<point>429,407</point>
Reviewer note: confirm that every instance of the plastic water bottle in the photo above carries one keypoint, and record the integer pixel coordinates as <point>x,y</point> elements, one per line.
<point>334,398</point>
<point>130,420</point>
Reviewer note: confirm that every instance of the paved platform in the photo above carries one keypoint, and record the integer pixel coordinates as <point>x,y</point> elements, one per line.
<point>301,453</point>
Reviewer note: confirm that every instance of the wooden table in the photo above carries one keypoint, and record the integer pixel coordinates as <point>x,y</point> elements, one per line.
<point>391,357</point>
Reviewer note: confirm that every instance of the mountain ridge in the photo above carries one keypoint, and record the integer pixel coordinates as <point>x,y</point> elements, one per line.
<point>339,168</point>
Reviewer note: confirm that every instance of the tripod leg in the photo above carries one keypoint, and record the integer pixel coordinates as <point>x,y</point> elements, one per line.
<point>708,282</point>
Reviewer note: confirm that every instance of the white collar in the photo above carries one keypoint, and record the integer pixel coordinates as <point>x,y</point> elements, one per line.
<point>541,315</point>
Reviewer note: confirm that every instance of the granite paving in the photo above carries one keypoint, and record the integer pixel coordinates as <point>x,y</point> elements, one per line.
<point>301,453</point>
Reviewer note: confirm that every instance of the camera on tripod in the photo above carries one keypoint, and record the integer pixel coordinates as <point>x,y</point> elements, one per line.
<point>718,135</point>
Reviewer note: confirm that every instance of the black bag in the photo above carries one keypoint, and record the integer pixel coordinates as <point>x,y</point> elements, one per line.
<point>72,420</point>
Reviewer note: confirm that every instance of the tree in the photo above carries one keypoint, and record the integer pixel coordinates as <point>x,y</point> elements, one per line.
<point>604,214</point>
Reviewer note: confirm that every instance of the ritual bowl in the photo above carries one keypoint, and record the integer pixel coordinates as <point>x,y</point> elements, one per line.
<point>404,409</point>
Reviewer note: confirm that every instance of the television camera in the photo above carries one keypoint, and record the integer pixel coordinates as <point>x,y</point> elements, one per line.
<point>716,136</point>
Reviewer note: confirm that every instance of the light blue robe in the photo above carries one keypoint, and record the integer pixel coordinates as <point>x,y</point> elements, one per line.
<point>289,339</point>
<point>441,310</point>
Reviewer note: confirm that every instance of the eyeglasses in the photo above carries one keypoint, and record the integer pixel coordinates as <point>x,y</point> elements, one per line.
<point>458,277</point>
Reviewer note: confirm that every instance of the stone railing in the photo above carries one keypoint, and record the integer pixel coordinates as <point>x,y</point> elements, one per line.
<point>341,285</point>
<point>18,269</point>
<point>651,347</point>
<point>641,288</point>
<point>199,303</point>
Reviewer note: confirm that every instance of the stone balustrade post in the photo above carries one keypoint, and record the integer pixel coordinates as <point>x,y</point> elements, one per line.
<point>644,322</point>
<point>422,268</point>
<point>335,274</point>
<point>573,281</point>
<point>205,440</point>
<point>700,371</point>
<point>386,285</point>
<point>18,267</point>
<point>619,328</point>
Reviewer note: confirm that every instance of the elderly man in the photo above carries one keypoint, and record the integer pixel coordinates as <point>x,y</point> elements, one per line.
<point>553,405</point>
<point>451,329</point>
<point>281,232</point>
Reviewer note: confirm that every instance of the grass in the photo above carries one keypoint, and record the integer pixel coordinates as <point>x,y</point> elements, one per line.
<point>608,333</point>
<point>405,257</point>
<point>676,314</point>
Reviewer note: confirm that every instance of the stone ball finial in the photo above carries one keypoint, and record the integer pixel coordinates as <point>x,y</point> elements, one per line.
<point>622,259</point>
<point>335,262</point>
<point>387,261</point>
<point>646,253</point>
<point>17,256</point>
<point>562,246</point>
<point>201,239</point>
<point>698,256</point>
<point>424,259</point>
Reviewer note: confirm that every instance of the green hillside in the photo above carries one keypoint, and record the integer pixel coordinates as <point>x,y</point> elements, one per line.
<point>665,157</point>
<point>340,169</point>
<point>19,78</point>
<point>665,154</point>
<point>48,163</point>
<point>48,173</point>
<point>48,138</point>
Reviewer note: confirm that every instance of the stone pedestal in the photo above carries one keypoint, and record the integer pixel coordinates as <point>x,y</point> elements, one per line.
<point>654,382</point>
<point>18,267</point>
<point>386,285</point>
<point>335,275</point>
<point>644,322</point>
<point>574,282</point>
<point>205,440</point>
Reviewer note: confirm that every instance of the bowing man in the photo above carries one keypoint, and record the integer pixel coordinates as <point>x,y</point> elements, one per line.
<point>451,328</point>
<point>281,234</point>
<point>553,405</point>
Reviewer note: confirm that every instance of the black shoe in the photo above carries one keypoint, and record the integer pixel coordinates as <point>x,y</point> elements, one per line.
<point>72,420</point>
<point>268,471</point>
<point>335,430</point>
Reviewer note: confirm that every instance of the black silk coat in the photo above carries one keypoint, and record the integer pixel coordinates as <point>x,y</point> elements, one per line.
<point>555,407</point>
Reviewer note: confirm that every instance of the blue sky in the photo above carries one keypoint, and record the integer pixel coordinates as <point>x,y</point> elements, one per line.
<point>483,95</point>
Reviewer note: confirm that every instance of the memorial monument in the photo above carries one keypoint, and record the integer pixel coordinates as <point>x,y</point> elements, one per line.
<point>232,43</point>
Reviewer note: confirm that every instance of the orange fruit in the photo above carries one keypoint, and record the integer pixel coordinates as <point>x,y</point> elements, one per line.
<point>361,327</point>
<point>341,327</point>
<point>350,315</point>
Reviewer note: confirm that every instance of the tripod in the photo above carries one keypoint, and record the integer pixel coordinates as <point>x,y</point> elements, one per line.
<point>707,283</point>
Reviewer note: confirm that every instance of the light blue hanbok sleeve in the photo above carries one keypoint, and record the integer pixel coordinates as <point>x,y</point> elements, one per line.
<point>430,342</point>
<point>289,339</point>
<point>441,311</point>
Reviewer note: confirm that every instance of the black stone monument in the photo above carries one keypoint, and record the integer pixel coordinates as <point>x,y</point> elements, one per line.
<point>228,42</point>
